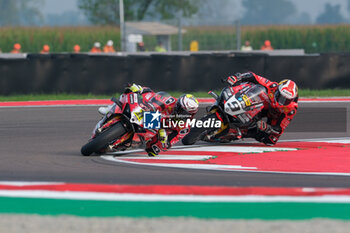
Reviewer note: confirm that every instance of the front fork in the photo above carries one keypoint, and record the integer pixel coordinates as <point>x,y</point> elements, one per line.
<point>103,125</point>
<point>120,141</point>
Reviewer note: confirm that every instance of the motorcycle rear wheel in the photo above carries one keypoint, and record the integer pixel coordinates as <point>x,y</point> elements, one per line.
<point>195,133</point>
<point>102,140</point>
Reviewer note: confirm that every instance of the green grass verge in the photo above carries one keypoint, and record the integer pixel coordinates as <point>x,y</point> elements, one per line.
<point>324,93</point>
<point>35,97</point>
<point>64,96</point>
<point>218,210</point>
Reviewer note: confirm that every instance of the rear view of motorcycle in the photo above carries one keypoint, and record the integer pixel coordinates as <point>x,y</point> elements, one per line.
<point>237,107</point>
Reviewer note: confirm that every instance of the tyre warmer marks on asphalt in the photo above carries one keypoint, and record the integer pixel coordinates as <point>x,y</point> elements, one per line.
<point>104,200</point>
<point>98,102</point>
<point>321,158</point>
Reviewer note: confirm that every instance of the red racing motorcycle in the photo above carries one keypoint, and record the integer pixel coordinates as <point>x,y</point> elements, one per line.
<point>238,108</point>
<point>122,126</point>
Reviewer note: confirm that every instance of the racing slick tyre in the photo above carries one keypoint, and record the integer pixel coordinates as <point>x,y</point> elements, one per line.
<point>102,140</point>
<point>195,133</point>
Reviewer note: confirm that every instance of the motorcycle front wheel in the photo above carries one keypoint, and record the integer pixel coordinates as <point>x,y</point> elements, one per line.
<point>195,133</point>
<point>102,140</point>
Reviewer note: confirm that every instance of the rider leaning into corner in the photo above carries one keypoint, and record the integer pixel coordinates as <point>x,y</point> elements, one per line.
<point>280,108</point>
<point>186,105</point>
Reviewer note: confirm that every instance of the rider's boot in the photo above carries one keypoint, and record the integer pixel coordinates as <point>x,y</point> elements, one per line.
<point>105,110</point>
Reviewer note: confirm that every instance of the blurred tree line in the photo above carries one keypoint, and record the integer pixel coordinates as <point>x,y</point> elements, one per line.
<point>107,11</point>
<point>194,12</point>
<point>20,12</point>
<point>204,11</point>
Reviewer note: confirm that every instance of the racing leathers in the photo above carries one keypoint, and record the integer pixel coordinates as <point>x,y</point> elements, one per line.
<point>165,104</point>
<point>278,116</point>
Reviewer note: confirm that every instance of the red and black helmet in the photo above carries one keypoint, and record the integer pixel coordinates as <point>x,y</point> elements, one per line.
<point>286,92</point>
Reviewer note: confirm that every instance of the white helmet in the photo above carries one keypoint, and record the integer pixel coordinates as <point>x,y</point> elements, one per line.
<point>97,45</point>
<point>110,43</point>
<point>187,105</point>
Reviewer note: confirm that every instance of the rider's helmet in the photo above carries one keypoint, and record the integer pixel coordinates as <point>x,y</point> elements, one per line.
<point>17,46</point>
<point>286,92</point>
<point>97,45</point>
<point>186,105</point>
<point>267,43</point>
<point>110,43</point>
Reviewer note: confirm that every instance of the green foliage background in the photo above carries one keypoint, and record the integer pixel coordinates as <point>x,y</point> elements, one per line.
<point>69,96</point>
<point>328,38</point>
<point>60,39</point>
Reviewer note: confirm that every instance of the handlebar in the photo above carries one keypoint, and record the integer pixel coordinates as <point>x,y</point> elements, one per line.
<point>214,95</point>
<point>115,100</point>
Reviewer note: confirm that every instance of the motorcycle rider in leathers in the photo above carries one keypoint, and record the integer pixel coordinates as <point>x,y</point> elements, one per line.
<point>283,105</point>
<point>185,106</point>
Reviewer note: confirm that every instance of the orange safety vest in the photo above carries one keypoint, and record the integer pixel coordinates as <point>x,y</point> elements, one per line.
<point>108,49</point>
<point>95,50</point>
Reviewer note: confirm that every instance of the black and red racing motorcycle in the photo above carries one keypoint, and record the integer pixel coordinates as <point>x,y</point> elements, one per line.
<point>122,127</point>
<point>238,108</point>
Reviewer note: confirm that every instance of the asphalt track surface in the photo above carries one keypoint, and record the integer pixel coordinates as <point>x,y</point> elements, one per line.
<point>43,144</point>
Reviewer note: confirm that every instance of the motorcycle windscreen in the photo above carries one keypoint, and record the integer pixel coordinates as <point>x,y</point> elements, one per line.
<point>253,96</point>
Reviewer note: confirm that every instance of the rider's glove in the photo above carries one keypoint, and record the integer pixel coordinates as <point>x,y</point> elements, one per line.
<point>233,79</point>
<point>160,143</point>
<point>135,88</point>
<point>262,126</point>
<point>163,138</point>
<point>153,150</point>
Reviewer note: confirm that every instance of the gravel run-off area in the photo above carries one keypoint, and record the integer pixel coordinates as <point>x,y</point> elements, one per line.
<point>57,224</point>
